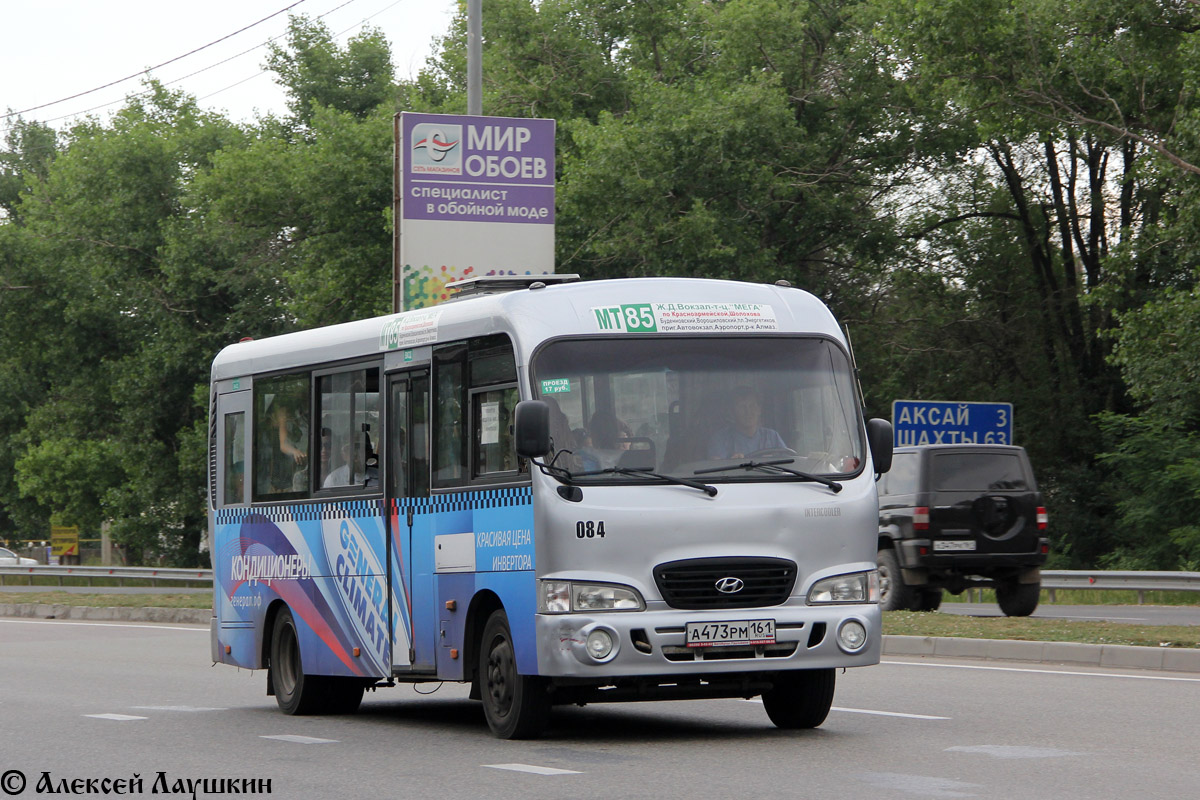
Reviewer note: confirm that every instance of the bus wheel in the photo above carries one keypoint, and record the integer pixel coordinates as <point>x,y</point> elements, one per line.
<point>295,692</point>
<point>800,699</point>
<point>516,706</point>
<point>342,695</point>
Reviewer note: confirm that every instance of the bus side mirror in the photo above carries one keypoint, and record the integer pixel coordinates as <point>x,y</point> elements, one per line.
<point>532,428</point>
<point>879,437</point>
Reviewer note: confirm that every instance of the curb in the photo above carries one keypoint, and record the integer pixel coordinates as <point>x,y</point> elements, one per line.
<point>199,616</point>
<point>1118,656</point>
<point>1168,659</point>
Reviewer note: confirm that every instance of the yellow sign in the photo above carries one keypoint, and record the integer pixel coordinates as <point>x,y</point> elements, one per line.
<point>64,540</point>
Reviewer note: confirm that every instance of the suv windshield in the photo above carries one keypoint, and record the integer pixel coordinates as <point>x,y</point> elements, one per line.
<point>680,406</point>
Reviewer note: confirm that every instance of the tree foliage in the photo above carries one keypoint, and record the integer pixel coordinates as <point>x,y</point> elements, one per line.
<point>999,199</point>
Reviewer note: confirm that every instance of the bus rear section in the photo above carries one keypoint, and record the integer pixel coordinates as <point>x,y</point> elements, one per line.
<point>577,493</point>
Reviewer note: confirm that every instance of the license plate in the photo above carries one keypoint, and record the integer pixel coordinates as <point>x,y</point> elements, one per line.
<point>944,545</point>
<point>727,634</point>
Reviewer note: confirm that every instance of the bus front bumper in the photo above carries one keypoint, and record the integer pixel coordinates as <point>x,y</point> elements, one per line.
<point>653,642</point>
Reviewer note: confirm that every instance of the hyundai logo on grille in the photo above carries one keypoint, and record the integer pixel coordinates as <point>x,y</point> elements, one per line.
<point>730,585</point>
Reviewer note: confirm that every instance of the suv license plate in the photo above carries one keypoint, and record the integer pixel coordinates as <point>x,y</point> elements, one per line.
<point>727,634</point>
<point>943,545</point>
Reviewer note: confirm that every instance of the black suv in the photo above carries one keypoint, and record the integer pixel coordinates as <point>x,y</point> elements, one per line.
<point>957,516</point>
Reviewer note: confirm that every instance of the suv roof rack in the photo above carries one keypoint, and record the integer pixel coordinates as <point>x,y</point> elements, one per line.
<point>498,284</point>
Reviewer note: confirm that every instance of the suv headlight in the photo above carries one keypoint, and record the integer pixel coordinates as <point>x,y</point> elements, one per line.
<point>565,597</point>
<point>859,587</point>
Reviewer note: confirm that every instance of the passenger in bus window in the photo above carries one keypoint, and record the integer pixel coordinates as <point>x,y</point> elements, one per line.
<point>744,435</point>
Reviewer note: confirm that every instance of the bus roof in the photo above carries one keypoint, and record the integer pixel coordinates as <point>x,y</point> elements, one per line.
<point>531,316</point>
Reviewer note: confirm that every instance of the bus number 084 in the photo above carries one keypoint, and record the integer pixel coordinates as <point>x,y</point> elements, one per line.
<point>589,529</point>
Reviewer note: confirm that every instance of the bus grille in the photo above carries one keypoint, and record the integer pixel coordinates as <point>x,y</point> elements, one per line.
<point>693,583</point>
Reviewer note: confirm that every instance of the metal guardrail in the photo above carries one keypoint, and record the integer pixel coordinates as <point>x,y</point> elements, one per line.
<point>1138,581</point>
<point>120,574</point>
<point>1052,580</point>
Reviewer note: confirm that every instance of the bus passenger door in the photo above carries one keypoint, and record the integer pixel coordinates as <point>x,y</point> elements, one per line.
<point>410,564</point>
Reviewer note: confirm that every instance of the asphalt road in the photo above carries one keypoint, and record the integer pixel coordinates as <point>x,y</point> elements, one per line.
<point>97,701</point>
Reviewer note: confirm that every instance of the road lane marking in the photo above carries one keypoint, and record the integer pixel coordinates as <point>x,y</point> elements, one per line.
<point>532,769</point>
<point>1010,751</point>
<point>1043,671</point>
<point>287,737</point>
<point>99,624</point>
<point>178,708</point>
<point>862,711</point>
<point>114,717</point>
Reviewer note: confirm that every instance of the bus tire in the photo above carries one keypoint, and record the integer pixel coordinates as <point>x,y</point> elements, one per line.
<point>800,699</point>
<point>295,692</point>
<point>341,695</point>
<point>516,706</point>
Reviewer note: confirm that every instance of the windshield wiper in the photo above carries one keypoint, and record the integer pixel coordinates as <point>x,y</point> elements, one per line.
<point>568,477</point>
<point>775,466</point>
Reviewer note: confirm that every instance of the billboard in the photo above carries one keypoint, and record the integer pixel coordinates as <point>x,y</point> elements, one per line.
<point>951,422</point>
<point>474,197</point>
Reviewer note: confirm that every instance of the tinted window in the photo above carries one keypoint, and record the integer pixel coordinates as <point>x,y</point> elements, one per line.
<point>978,472</point>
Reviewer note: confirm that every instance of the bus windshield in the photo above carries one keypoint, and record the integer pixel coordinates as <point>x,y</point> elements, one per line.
<point>708,405</point>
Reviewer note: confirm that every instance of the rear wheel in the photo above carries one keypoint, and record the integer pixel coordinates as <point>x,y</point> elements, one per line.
<point>295,692</point>
<point>1018,599</point>
<point>800,699</point>
<point>894,595</point>
<point>516,706</point>
<point>298,693</point>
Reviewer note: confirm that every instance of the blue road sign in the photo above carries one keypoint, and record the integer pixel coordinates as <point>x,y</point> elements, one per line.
<point>947,422</point>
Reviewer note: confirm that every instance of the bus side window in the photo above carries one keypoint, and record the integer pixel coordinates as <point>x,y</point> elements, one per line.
<point>492,416</point>
<point>235,460</point>
<point>282,418</point>
<point>449,436</point>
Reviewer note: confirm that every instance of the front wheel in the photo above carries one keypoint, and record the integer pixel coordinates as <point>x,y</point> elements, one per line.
<point>1018,599</point>
<point>800,699</point>
<point>516,706</point>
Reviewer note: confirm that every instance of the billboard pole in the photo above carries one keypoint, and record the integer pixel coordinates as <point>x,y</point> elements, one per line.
<point>397,265</point>
<point>474,58</point>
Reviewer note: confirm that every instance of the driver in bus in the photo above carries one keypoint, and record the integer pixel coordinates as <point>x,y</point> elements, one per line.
<point>744,435</point>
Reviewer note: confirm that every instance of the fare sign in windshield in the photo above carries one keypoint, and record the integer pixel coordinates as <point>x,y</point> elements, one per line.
<point>948,422</point>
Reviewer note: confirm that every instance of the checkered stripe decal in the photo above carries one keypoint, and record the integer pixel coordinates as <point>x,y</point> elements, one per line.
<point>467,501</point>
<point>307,512</point>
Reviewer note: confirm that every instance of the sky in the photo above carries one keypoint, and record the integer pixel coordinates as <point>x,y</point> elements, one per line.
<point>55,49</point>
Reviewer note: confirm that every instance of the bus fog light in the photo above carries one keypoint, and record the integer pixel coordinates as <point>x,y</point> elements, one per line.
<point>852,636</point>
<point>599,644</point>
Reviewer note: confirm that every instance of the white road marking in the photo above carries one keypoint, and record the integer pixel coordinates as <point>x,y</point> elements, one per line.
<point>864,711</point>
<point>98,624</point>
<point>178,708</point>
<point>114,717</point>
<point>287,737</point>
<point>1043,671</point>
<point>1009,751</point>
<point>533,769</point>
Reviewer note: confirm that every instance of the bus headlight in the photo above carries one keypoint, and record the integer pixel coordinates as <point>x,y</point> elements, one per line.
<point>859,587</point>
<point>565,597</point>
<point>852,636</point>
